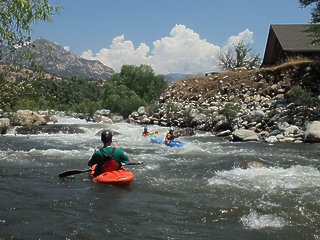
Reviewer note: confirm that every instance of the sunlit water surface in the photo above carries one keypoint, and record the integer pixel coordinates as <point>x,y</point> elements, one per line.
<point>201,191</point>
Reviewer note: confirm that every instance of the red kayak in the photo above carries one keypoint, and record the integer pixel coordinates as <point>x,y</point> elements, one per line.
<point>122,176</point>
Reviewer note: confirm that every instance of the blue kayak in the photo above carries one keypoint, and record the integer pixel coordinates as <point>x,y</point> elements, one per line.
<point>171,144</point>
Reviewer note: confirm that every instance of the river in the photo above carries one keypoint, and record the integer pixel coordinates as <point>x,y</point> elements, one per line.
<point>203,190</point>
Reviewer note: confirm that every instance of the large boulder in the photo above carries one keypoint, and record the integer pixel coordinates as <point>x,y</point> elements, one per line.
<point>106,120</point>
<point>245,135</point>
<point>27,118</point>
<point>198,119</point>
<point>255,116</point>
<point>4,125</point>
<point>141,111</point>
<point>103,112</point>
<point>50,118</point>
<point>116,118</point>
<point>186,131</point>
<point>312,133</point>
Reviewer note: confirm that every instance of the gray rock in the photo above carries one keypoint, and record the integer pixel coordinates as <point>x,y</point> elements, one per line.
<point>312,133</point>
<point>282,126</point>
<point>271,139</point>
<point>199,119</point>
<point>255,116</point>
<point>135,115</point>
<point>244,135</point>
<point>224,133</point>
<point>27,118</point>
<point>145,121</point>
<point>116,118</point>
<point>4,125</point>
<point>193,113</point>
<point>291,130</point>
<point>103,112</point>
<point>142,111</point>
<point>106,120</point>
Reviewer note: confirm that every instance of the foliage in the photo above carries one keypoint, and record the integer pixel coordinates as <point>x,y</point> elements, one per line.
<point>315,18</point>
<point>141,80</point>
<point>300,96</point>
<point>120,99</point>
<point>238,57</point>
<point>133,87</point>
<point>40,94</point>
<point>17,17</point>
<point>123,94</point>
<point>231,111</point>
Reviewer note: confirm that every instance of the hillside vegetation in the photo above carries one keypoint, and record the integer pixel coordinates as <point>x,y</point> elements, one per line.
<point>134,86</point>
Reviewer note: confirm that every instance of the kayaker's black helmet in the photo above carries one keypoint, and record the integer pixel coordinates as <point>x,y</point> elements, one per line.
<point>145,129</point>
<point>171,129</point>
<point>106,136</point>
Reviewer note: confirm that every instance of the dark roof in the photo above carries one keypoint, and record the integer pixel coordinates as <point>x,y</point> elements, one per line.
<point>288,39</point>
<point>294,37</point>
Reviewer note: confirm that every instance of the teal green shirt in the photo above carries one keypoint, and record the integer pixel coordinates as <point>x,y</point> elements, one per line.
<point>118,155</point>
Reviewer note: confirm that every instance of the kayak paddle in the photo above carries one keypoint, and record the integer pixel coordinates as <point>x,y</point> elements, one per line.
<point>75,171</point>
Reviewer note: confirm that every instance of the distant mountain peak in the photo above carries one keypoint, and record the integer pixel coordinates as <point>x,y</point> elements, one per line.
<point>57,60</point>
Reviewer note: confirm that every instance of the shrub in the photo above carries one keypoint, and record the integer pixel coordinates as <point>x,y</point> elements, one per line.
<point>231,111</point>
<point>300,96</point>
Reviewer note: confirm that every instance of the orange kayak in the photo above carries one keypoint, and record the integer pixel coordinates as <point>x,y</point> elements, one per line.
<point>122,176</point>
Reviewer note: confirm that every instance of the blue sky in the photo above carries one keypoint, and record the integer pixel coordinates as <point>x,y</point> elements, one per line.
<point>184,36</point>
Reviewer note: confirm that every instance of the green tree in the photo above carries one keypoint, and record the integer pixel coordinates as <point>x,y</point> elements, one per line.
<point>239,56</point>
<point>120,99</point>
<point>16,19</point>
<point>142,80</point>
<point>315,18</point>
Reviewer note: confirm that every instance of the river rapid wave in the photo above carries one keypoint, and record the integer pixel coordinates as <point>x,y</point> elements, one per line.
<point>207,189</point>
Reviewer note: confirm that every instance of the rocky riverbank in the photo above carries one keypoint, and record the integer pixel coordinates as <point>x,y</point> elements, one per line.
<point>31,122</point>
<point>278,104</point>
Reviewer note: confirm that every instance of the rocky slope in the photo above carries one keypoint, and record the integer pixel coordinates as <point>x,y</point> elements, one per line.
<point>56,60</point>
<point>259,100</point>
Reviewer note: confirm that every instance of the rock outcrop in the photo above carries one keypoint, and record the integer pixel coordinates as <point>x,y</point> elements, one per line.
<point>27,118</point>
<point>265,102</point>
<point>312,132</point>
<point>4,125</point>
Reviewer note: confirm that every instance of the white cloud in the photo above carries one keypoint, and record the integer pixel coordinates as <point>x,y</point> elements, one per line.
<point>246,36</point>
<point>183,51</point>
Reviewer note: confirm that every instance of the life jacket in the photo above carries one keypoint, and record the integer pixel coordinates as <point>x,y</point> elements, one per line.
<point>169,137</point>
<point>109,164</point>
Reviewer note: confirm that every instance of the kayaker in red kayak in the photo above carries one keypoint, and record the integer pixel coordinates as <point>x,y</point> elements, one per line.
<point>171,136</point>
<point>145,132</point>
<point>107,158</point>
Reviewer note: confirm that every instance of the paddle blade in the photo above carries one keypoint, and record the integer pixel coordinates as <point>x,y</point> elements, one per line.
<point>134,163</point>
<point>72,172</point>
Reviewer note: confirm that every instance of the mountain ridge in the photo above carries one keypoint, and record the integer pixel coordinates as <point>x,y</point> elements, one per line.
<point>56,60</point>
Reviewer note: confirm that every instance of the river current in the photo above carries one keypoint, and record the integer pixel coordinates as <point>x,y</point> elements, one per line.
<point>204,190</point>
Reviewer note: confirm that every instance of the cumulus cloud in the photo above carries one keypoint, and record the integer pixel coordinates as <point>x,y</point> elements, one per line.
<point>246,36</point>
<point>183,51</point>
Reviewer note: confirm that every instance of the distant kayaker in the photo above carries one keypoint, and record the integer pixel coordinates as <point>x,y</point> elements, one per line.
<point>145,132</point>
<point>171,136</point>
<point>109,158</point>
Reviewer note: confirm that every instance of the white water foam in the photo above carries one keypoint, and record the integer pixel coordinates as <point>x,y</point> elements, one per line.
<point>27,156</point>
<point>70,120</point>
<point>269,179</point>
<point>259,221</point>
